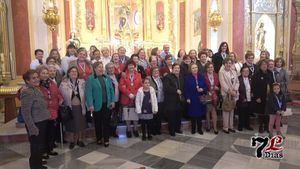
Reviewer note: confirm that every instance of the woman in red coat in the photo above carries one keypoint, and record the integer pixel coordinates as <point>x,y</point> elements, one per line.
<point>213,85</point>
<point>129,85</point>
<point>118,66</point>
<point>54,99</point>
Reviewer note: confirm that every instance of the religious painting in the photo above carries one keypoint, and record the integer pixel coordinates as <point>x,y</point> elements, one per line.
<point>90,14</point>
<point>160,16</point>
<point>264,35</point>
<point>196,22</point>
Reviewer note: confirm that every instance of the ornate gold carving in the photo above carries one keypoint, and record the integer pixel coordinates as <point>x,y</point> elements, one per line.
<point>51,17</point>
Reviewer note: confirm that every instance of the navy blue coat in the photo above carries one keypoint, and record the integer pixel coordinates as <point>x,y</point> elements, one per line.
<point>195,108</point>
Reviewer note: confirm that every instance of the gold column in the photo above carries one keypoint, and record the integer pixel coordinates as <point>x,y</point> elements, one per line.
<point>148,12</point>
<point>296,48</point>
<point>4,44</point>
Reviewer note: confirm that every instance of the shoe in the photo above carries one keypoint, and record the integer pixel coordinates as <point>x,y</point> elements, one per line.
<point>231,130</point>
<point>45,156</point>
<point>240,129</point>
<point>53,153</point>
<point>106,144</point>
<point>279,133</point>
<point>128,134</point>
<point>172,134</point>
<point>55,145</point>
<point>143,138</point>
<point>216,132</point>
<point>208,130</point>
<point>179,131</point>
<point>71,145</point>
<point>80,144</point>
<point>43,167</point>
<point>260,130</point>
<point>149,137</point>
<point>99,142</point>
<point>115,135</point>
<point>249,128</point>
<point>44,162</point>
<point>225,131</point>
<point>200,132</point>
<point>193,132</point>
<point>136,133</point>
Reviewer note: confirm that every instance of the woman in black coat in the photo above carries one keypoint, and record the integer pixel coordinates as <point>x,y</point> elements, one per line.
<point>218,57</point>
<point>260,84</point>
<point>173,91</point>
<point>244,101</point>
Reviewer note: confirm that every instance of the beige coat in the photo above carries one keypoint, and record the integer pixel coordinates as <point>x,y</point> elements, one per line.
<point>226,78</point>
<point>66,91</point>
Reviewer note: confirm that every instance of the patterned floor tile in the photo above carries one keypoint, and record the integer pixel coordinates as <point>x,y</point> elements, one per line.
<point>291,156</point>
<point>110,163</point>
<point>146,159</point>
<point>7,156</point>
<point>262,164</point>
<point>124,142</point>
<point>232,161</point>
<point>207,157</point>
<point>167,164</point>
<point>175,150</point>
<point>131,165</point>
<point>93,157</point>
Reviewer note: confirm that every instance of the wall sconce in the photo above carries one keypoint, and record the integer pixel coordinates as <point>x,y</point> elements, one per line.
<point>215,19</point>
<point>50,17</point>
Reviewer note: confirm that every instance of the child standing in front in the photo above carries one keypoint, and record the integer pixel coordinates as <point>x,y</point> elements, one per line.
<point>146,106</point>
<point>276,105</point>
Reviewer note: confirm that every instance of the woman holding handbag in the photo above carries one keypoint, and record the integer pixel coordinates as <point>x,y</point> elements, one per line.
<point>213,85</point>
<point>229,91</point>
<point>72,90</point>
<point>195,88</point>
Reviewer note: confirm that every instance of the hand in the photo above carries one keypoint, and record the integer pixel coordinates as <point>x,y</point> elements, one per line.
<point>179,92</point>
<point>91,109</point>
<point>233,93</point>
<point>112,105</point>
<point>199,89</point>
<point>188,101</point>
<point>34,131</point>
<point>131,96</point>
<point>61,102</point>
<point>123,74</point>
<point>258,100</point>
<point>216,88</point>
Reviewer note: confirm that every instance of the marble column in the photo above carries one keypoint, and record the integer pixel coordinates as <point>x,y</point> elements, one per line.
<point>21,35</point>
<point>296,47</point>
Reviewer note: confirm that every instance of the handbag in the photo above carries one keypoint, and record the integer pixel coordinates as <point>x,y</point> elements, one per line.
<point>228,103</point>
<point>65,113</point>
<point>206,99</point>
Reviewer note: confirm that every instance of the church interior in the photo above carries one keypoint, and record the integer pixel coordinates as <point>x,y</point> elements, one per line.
<point>246,25</point>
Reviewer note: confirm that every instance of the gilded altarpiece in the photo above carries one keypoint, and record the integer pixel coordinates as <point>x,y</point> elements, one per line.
<point>266,27</point>
<point>129,23</point>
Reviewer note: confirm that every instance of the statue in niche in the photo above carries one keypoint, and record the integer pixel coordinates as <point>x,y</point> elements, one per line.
<point>74,40</point>
<point>124,13</point>
<point>260,37</point>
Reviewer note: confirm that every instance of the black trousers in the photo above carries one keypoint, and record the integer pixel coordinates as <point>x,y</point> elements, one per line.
<point>244,112</point>
<point>51,134</point>
<point>174,122</point>
<point>263,121</point>
<point>146,127</point>
<point>37,145</point>
<point>102,120</point>
<point>196,121</point>
<point>156,121</point>
<point>115,117</point>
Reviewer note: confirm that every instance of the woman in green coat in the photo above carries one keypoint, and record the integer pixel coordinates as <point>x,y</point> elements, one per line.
<point>100,98</point>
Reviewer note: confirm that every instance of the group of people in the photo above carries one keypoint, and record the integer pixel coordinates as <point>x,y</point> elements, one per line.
<point>115,87</point>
